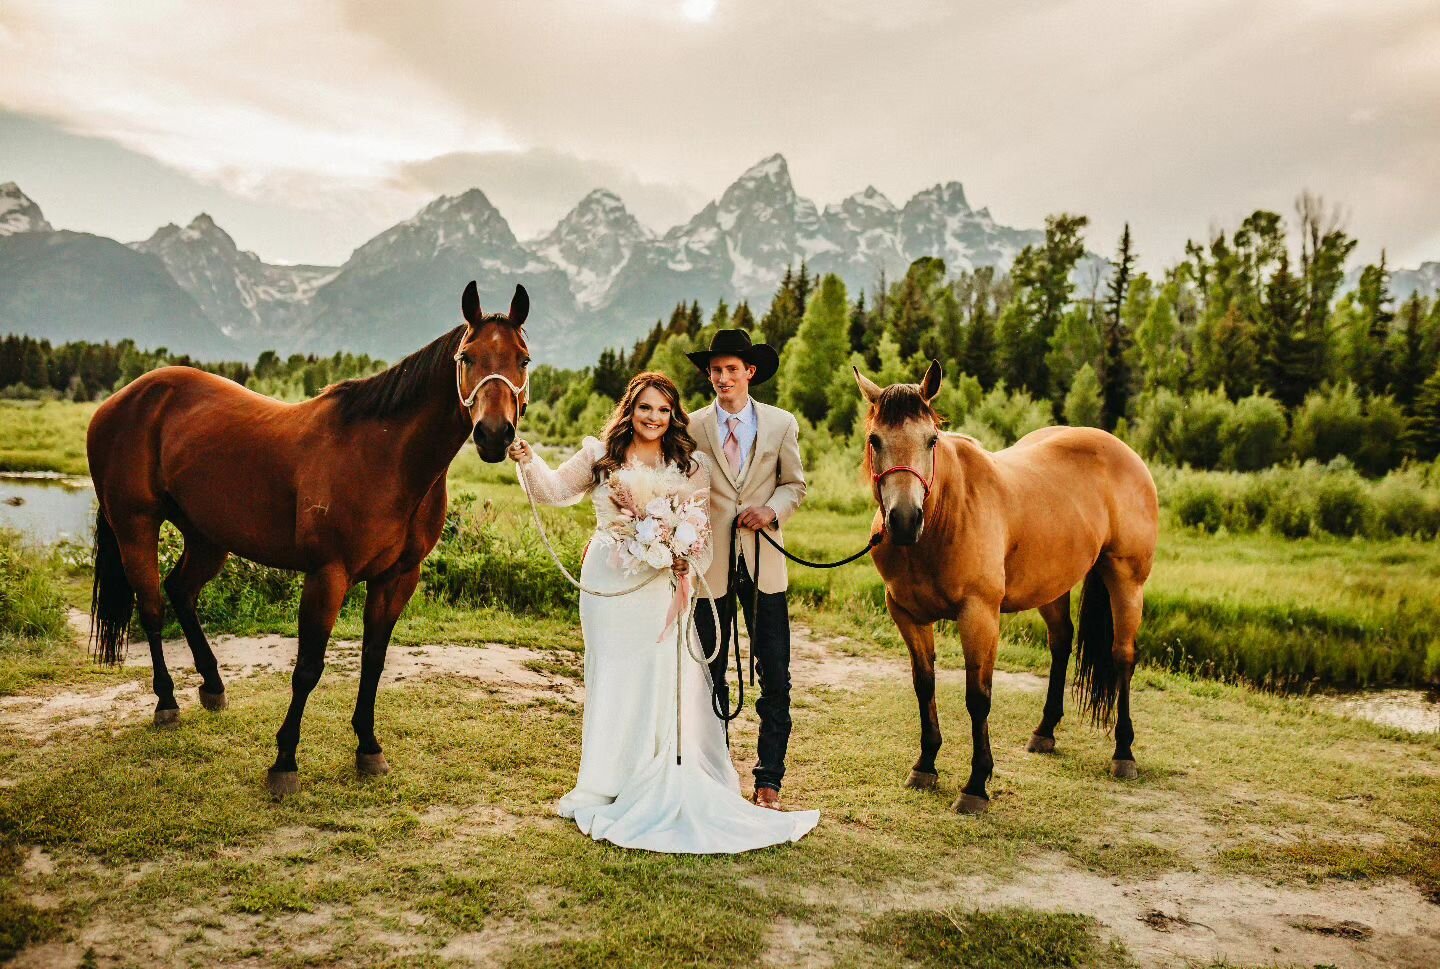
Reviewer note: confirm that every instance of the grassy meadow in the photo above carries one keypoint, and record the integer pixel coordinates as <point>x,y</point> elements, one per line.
<point>130,845</point>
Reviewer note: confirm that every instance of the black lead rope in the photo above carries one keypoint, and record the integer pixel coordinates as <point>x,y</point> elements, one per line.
<point>732,594</point>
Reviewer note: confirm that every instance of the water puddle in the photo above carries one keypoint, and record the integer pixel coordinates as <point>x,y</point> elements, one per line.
<point>1417,711</point>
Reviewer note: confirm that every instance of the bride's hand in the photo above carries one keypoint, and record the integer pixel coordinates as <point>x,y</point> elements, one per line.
<point>520,452</point>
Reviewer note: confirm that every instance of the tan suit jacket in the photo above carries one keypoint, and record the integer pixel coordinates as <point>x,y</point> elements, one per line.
<point>773,476</point>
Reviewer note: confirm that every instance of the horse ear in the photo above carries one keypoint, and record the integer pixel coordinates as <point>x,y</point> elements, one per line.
<point>930,383</point>
<point>868,387</point>
<point>470,303</point>
<point>519,306</point>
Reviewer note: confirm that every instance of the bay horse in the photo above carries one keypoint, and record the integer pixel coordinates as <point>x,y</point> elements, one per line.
<point>346,487</point>
<point>971,534</point>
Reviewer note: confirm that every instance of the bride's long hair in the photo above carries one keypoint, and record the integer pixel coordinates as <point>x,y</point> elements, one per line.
<point>676,446</point>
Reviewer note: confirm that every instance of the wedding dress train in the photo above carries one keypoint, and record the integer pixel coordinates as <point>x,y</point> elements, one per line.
<point>630,790</point>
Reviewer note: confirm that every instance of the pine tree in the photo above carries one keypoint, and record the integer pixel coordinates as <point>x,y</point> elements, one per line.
<point>1422,440</point>
<point>1115,369</point>
<point>1291,365</point>
<point>1407,351</point>
<point>611,374</point>
<point>742,319</point>
<point>810,361</point>
<point>912,305</point>
<point>720,320</point>
<point>1042,293</point>
<point>1368,356</point>
<point>783,317</point>
<point>695,320</point>
<point>1085,403</point>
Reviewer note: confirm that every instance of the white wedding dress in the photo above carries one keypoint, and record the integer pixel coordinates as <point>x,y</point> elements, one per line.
<point>630,791</point>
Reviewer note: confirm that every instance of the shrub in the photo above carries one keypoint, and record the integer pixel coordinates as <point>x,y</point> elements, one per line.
<point>1291,512</point>
<point>1329,423</point>
<point>488,558</point>
<point>1199,504</point>
<point>1342,506</point>
<point>1252,435</point>
<point>1381,447</point>
<point>1197,428</point>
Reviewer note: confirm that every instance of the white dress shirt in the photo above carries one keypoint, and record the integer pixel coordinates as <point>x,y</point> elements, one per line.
<point>745,431</point>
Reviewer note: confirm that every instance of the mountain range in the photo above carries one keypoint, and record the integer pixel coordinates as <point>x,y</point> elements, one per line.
<point>599,278</point>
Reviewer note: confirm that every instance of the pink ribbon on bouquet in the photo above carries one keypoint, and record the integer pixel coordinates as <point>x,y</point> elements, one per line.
<point>678,606</point>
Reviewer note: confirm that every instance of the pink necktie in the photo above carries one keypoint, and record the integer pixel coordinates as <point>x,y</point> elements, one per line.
<point>732,447</point>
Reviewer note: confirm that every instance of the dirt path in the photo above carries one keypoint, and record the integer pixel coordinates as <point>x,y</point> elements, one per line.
<point>1176,919</point>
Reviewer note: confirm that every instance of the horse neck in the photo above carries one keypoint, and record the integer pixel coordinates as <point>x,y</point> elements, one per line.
<point>430,435</point>
<point>949,492</point>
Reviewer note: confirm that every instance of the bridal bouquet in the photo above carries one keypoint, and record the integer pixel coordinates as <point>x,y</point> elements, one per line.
<point>656,526</point>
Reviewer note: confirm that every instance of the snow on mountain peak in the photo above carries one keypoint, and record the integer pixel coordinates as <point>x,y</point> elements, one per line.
<point>18,213</point>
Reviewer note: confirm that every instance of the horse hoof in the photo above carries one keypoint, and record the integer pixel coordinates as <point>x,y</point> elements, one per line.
<point>213,701</point>
<point>1040,745</point>
<point>970,804</point>
<point>921,781</point>
<point>1124,769</point>
<point>282,782</point>
<point>167,718</point>
<point>371,765</point>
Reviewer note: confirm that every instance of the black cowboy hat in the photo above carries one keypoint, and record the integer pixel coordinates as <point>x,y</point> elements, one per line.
<point>736,343</point>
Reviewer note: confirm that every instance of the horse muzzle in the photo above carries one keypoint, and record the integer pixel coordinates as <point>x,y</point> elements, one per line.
<point>904,525</point>
<point>492,438</point>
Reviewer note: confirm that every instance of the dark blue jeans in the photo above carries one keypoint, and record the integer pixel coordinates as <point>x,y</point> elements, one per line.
<point>768,622</point>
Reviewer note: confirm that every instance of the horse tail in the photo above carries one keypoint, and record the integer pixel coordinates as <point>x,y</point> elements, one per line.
<point>1097,675</point>
<point>112,600</point>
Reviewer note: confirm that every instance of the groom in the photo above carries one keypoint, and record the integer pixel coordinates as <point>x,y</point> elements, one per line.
<point>759,482</point>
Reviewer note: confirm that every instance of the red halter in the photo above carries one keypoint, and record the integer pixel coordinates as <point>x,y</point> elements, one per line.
<point>875,479</point>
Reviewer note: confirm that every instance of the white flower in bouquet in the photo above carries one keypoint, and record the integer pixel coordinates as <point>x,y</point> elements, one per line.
<point>659,556</point>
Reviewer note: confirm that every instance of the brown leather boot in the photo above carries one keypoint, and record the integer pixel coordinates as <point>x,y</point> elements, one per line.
<point>767,797</point>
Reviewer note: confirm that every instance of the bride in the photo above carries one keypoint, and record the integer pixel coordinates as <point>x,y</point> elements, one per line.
<point>631,790</point>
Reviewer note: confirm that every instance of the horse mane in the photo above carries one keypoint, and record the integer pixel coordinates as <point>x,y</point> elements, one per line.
<point>899,403</point>
<point>392,390</point>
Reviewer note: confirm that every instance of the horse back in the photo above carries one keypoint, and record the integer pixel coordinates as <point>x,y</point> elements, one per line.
<point>1070,495</point>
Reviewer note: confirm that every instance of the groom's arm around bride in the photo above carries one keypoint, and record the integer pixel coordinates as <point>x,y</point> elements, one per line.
<point>758,481</point>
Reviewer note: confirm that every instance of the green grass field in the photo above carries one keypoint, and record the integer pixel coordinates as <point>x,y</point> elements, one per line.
<point>121,844</point>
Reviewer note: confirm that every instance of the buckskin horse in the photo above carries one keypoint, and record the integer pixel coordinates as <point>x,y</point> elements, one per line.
<point>971,534</point>
<point>346,487</point>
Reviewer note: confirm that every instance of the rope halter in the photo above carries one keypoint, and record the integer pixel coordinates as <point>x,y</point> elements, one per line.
<point>469,402</point>
<point>875,478</point>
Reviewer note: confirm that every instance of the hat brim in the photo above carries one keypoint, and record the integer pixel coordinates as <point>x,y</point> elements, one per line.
<point>760,355</point>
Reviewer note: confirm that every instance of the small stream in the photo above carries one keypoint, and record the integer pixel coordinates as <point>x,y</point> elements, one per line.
<point>47,508</point>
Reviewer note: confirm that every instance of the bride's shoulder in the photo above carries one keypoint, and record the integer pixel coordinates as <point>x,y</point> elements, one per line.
<point>593,446</point>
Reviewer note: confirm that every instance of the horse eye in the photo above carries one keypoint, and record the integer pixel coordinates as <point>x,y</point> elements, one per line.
<point>524,363</point>
<point>875,441</point>
<point>934,441</point>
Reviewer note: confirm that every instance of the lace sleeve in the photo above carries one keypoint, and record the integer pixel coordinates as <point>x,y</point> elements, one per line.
<point>568,483</point>
<point>700,483</point>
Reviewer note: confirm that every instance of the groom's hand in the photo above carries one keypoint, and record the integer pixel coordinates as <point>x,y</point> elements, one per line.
<point>757,517</point>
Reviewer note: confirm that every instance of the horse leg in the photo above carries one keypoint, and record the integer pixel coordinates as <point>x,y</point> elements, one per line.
<point>1060,632</point>
<point>199,563</point>
<point>320,603</point>
<point>980,636</point>
<point>1127,596</point>
<point>920,638</point>
<point>138,536</point>
<point>383,602</point>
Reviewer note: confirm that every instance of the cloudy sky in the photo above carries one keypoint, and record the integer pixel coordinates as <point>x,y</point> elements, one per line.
<point>305,126</point>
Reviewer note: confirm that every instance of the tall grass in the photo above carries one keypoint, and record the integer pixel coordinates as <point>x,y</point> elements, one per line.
<point>33,628</point>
